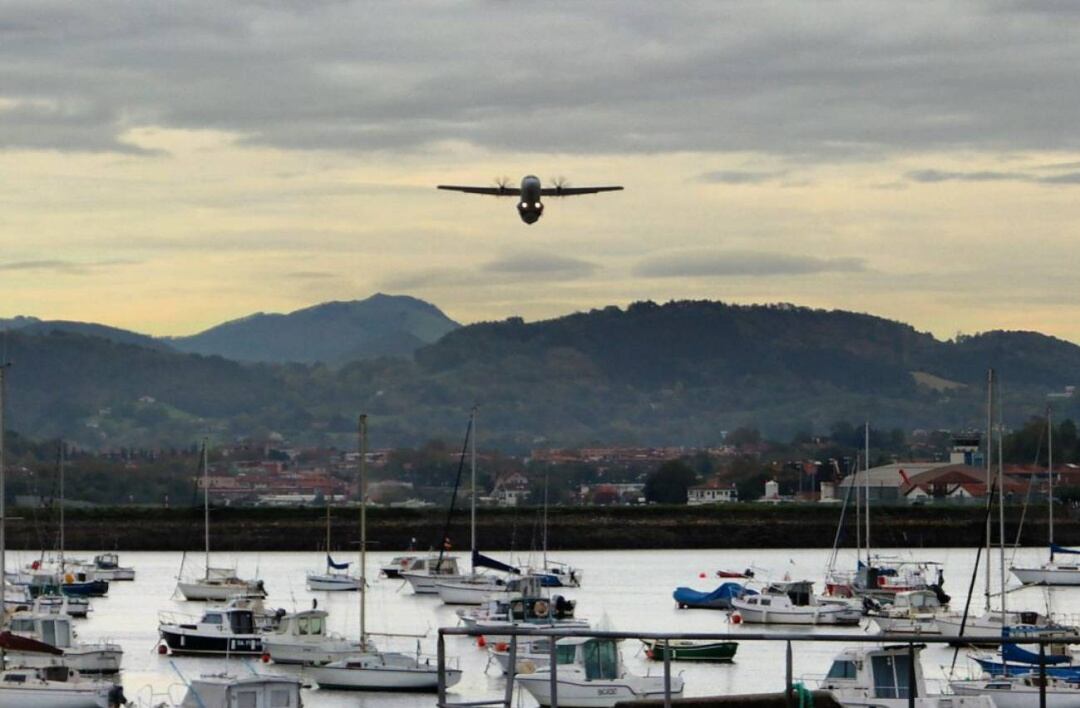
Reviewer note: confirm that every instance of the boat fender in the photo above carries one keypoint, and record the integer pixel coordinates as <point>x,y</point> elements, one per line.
<point>162,649</point>
<point>540,608</point>
<point>69,578</point>
<point>481,642</point>
<point>502,646</point>
<point>701,575</point>
<point>736,618</point>
<point>526,667</point>
<point>265,657</point>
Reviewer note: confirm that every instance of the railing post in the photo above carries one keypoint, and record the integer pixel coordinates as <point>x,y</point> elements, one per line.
<point>789,692</point>
<point>553,684</point>
<point>441,659</point>
<point>1042,675</point>
<point>912,690</point>
<point>667,674</point>
<point>511,671</point>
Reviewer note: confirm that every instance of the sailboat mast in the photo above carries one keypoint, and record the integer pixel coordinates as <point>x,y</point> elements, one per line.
<point>3,504</point>
<point>866,463</point>
<point>1001,514</point>
<point>989,473</point>
<point>1050,473</point>
<point>363,528</point>
<point>61,465</point>
<point>472,512</point>
<point>858,508</point>
<point>206,505</point>
<point>328,535</point>
<point>544,536</point>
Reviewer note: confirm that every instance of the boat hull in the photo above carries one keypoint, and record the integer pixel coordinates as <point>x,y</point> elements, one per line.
<point>372,673</point>
<point>333,583</point>
<point>85,660</point>
<point>42,697</point>
<point>811,616</point>
<point>426,584</point>
<point>691,651</point>
<point>312,653</point>
<point>181,641</point>
<point>467,593</point>
<point>221,592</point>
<point>600,693</point>
<point>1063,576</point>
<point>1006,694</point>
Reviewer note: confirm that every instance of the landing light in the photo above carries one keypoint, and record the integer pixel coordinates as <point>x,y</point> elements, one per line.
<point>524,205</point>
<point>538,205</point>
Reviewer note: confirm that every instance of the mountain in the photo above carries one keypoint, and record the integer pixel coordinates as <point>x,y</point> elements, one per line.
<point>91,329</point>
<point>16,322</point>
<point>677,373</point>
<point>332,333</point>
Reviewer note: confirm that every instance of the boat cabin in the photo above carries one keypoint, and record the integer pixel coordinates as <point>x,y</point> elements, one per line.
<point>432,565</point>
<point>539,609</point>
<point>107,561</point>
<point>917,601</point>
<point>236,620</point>
<point>800,593</point>
<point>51,629</point>
<point>222,691</point>
<point>884,672</point>
<point>598,658</point>
<point>309,623</point>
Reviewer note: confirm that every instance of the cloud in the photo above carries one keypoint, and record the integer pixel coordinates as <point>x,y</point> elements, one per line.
<point>739,176</point>
<point>542,265</point>
<point>723,264</point>
<point>63,266</point>
<point>933,176</point>
<point>652,77</point>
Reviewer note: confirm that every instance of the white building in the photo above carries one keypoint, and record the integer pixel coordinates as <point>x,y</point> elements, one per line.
<point>712,492</point>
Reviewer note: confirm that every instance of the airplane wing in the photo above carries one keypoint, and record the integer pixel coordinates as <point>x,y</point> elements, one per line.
<point>493,191</point>
<point>571,191</point>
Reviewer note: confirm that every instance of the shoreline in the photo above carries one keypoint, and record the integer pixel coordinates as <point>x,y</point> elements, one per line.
<point>745,525</point>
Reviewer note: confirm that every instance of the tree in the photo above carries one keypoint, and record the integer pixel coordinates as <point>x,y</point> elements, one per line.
<point>668,484</point>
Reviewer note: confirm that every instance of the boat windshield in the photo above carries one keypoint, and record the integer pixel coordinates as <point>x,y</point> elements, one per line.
<point>601,660</point>
<point>563,654</point>
<point>309,625</point>
<point>842,669</point>
<point>891,675</point>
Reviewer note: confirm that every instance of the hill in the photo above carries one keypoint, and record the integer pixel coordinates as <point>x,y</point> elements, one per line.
<point>333,332</point>
<point>679,373</point>
<point>90,329</point>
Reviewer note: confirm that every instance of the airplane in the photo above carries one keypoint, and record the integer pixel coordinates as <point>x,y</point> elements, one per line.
<point>530,208</point>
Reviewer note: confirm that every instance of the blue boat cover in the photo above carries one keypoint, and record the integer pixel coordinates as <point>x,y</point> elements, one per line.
<point>996,668</point>
<point>1015,653</point>
<point>689,596</point>
<point>1054,548</point>
<point>336,566</point>
<point>481,561</point>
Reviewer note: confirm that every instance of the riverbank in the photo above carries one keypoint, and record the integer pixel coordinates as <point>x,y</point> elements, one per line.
<point>571,528</point>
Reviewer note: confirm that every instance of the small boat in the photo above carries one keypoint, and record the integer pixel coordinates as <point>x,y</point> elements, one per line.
<point>1020,691</point>
<point>912,612</point>
<point>252,691</point>
<point>553,574</point>
<point>331,580</point>
<point>686,650</point>
<point>718,599</point>
<point>230,631</point>
<point>792,603</point>
<point>78,607</point>
<point>106,566</point>
<point>532,612</point>
<point>746,574</point>
<point>398,565</point>
<point>55,630</point>
<point>531,654</point>
<point>56,687</point>
<point>426,572</point>
<point>590,674</point>
<point>987,628</point>
<point>880,677</point>
<point>301,638</point>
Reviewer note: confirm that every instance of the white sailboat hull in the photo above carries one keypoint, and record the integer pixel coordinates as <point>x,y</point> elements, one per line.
<point>426,584</point>
<point>987,627</point>
<point>379,671</point>
<point>48,697</point>
<point>333,583</point>
<point>286,651</point>
<point>816,615</point>
<point>1010,694</point>
<point>467,591</point>
<point>87,659</point>
<point>202,591</point>
<point>1049,574</point>
<point>576,692</point>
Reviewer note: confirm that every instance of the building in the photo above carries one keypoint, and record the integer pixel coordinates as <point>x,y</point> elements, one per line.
<point>511,489</point>
<point>956,483</point>
<point>712,492</point>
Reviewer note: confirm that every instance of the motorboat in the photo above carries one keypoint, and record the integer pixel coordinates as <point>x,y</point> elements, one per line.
<point>534,613</point>
<point>553,574</point>
<point>911,612</point>
<point>590,673</point>
<point>718,599</point>
<point>15,597</point>
<point>56,687</point>
<point>881,677</point>
<point>266,619</point>
<point>302,638</point>
<point>426,572</point>
<point>397,565</point>
<point>688,650</point>
<point>70,605</point>
<point>882,578</point>
<point>792,602</point>
<point>106,566</point>
<point>499,607</point>
<point>230,631</point>
<point>251,691</point>
<point>55,630</point>
<point>531,654</point>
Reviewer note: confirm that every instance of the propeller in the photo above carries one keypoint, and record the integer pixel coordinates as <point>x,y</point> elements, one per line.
<point>502,183</point>
<point>559,183</point>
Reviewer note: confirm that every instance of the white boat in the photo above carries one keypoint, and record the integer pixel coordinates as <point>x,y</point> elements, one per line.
<point>1019,691</point>
<point>988,627</point>
<point>217,583</point>
<point>15,597</point>
<point>470,590</point>
<point>398,565</point>
<point>330,580</point>
<point>69,605</point>
<point>911,612</point>
<point>106,566</point>
<point>792,602</point>
<point>55,630</point>
<point>228,631</point>
<point>375,670</point>
<point>55,687</point>
<point>302,638</point>
<point>426,572</point>
<point>251,691</point>
<point>531,654</point>
<point>880,677</point>
<point>590,674</point>
<point>531,612</point>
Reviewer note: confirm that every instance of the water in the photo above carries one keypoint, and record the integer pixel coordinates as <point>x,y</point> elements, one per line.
<point>623,590</point>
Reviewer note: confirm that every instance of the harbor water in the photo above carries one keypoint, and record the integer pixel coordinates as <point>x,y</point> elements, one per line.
<point>622,590</point>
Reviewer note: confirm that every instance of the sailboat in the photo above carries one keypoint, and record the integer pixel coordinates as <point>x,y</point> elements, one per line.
<point>374,670</point>
<point>1053,572</point>
<point>217,583</point>
<point>331,581</point>
<point>554,574</point>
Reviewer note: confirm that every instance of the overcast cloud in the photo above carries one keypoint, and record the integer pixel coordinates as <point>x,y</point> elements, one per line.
<point>742,263</point>
<point>774,77</point>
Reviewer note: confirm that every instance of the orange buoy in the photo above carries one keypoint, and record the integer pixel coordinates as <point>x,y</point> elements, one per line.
<point>736,618</point>
<point>502,646</point>
<point>481,642</point>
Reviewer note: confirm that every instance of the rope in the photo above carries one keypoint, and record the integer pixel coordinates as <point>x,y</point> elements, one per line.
<point>803,695</point>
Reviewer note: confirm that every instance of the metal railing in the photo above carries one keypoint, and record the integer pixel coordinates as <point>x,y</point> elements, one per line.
<point>663,639</point>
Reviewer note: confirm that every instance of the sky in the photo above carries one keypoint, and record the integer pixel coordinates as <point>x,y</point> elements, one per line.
<point>168,166</point>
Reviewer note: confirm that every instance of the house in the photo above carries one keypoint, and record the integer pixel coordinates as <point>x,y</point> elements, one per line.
<point>955,483</point>
<point>712,492</point>
<point>511,489</point>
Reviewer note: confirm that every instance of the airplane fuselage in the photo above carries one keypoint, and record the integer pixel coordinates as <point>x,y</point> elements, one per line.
<point>529,207</point>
